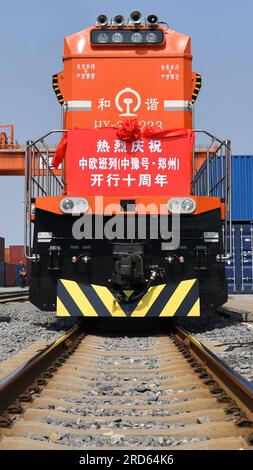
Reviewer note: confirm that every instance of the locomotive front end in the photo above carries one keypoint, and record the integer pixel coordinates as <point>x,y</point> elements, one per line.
<point>132,232</point>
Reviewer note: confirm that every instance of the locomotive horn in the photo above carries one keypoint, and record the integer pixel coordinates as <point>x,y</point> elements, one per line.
<point>102,20</point>
<point>119,20</point>
<point>136,17</point>
<point>152,20</point>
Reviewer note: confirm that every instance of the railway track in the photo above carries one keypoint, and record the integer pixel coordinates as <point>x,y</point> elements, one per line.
<point>148,390</point>
<point>17,296</point>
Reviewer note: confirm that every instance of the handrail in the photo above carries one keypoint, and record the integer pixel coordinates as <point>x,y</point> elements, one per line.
<point>214,179</point>
<point>40,180</point>
<point>212,136</point>
<point>54,131</point>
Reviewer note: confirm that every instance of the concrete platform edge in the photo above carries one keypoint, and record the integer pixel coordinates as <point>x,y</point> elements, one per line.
<point>236,314</point>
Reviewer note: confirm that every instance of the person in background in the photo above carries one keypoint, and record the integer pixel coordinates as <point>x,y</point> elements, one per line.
<point>22,275</point>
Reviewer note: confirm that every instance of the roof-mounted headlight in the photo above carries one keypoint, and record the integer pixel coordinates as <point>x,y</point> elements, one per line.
<point>102,21</point>
<point>152,20</point>
<point>151,37</point>
<point>117,38</point>
<point>130,37</point>
<point>136,18</point>
<point>119,20</point>
<point>136,37</point>
<point>102,38</point>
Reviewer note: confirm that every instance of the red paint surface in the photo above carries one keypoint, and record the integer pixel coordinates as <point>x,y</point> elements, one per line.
<point>10,275</point>
<point>16,254</point>
<point>2,242</point>
<point>95,167</point>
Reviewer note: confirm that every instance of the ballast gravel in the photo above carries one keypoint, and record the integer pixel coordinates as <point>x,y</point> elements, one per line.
<point>103,413</point>
<point>118,440</point>
<point>78,424</point>
<point>26,325</point>
<point>112,426</point>
<point>234,340</point>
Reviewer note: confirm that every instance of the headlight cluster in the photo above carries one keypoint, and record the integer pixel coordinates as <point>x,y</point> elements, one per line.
<point>74,205</point>
<point>180,205</point>
<point>135,19</point>
<point>127,36</point>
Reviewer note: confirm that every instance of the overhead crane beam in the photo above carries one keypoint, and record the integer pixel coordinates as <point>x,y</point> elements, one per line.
<point>12,154</point>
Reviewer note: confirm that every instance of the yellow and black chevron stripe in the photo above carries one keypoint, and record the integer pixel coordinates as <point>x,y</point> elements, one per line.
<point>89,300</point>
<point>57,89</point>
<point>198,85</point>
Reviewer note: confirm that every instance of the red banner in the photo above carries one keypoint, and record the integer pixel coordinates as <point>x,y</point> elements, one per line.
<point>98,163</point>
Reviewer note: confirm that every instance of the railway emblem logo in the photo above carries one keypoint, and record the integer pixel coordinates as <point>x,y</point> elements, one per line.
<point>128,101</point>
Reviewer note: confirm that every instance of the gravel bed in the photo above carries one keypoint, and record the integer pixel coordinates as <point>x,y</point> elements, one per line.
<point>26,326</point>
<point>118,440</point>
<point>235,337</point>
<point>127,396</point>
<point>126,343</point>
<point>101,412</point>
<point>142,401</point>
<point>118,423</point>
<point>112,378</point>
<point>93,403</point>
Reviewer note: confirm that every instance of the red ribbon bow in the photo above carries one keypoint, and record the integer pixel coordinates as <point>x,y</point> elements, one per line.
<point>129,131</point>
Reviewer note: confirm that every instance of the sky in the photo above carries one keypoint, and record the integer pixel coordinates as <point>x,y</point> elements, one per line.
<point>31,46</point>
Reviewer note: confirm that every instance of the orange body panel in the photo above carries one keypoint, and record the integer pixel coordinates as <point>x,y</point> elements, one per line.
<point>104,85</point>
<point>104,77</point>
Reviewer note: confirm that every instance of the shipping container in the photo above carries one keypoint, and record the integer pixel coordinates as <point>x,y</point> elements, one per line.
<point>7,255</point>
<point>2,244</point>
<point>2,275</point>
<point>18,268</point>
<point>10,275</point>
<point>242,188</point>
<point>16,254</point>
<point>239,268</point>
<point>241,185</point>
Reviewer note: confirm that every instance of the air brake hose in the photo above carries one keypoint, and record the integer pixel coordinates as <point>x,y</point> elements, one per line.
<point>134,298</point>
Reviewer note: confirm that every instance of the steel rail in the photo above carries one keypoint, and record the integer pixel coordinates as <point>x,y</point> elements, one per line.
<point>13,296</point>
<point>233,383</point>
<point>15,383</point>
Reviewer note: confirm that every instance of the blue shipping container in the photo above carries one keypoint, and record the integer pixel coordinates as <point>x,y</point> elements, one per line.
<point>239,268</point>
<point>2,274</point>
<point>17,275</point>
<point>242,186</point>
